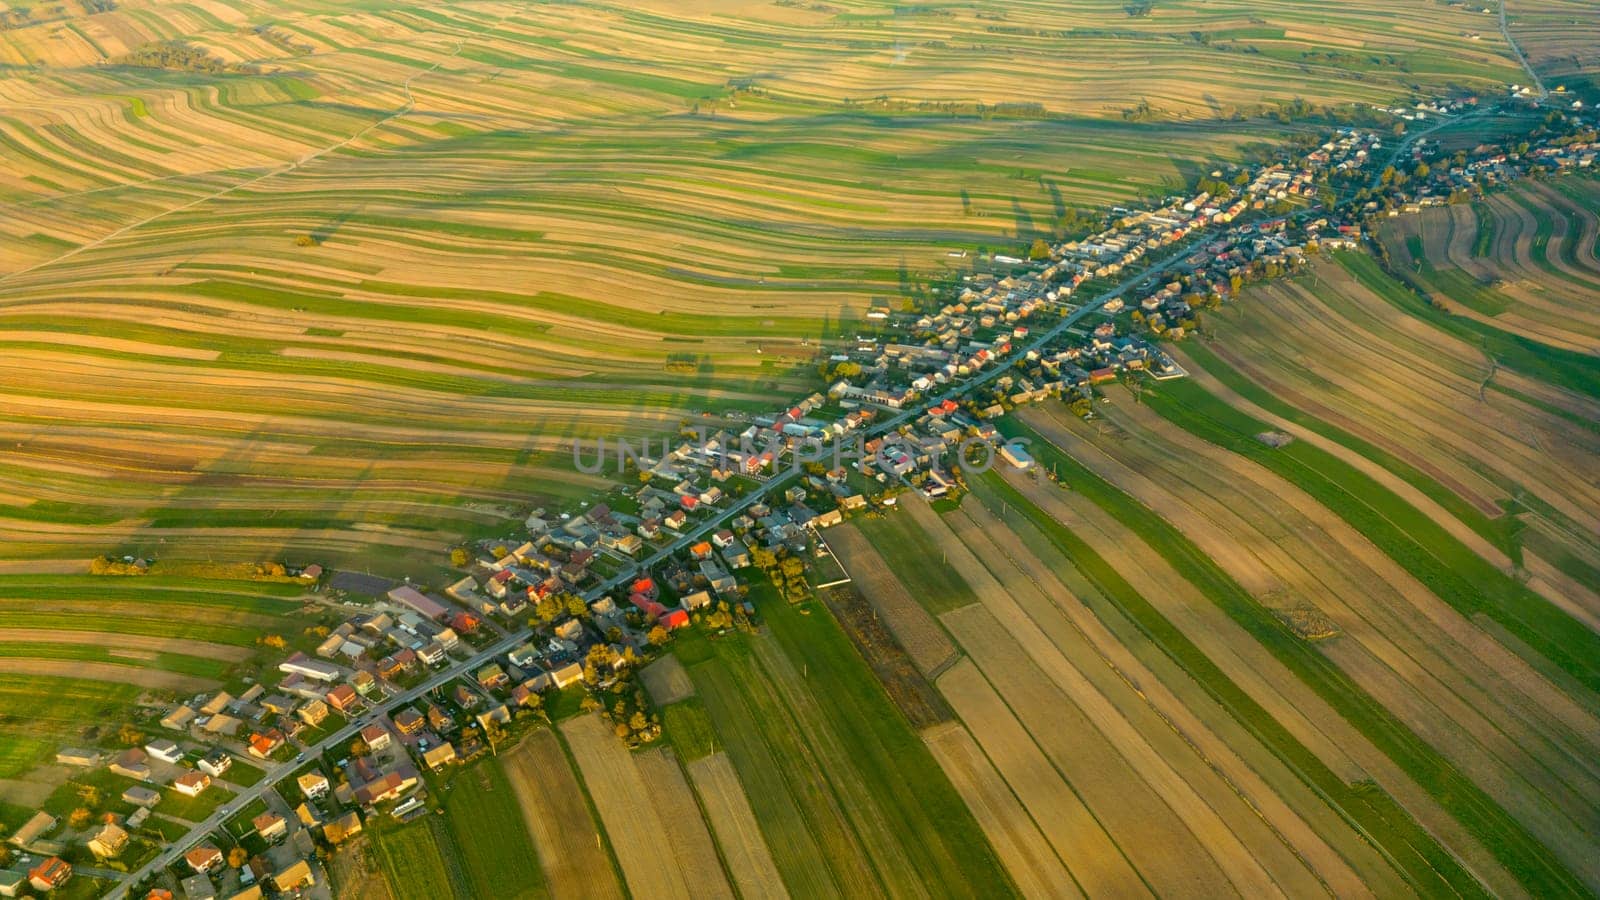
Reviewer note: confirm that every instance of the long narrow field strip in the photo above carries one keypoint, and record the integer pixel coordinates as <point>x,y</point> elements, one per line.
<point>1099,867</point>
<point>617,785</point>
<point>797,709</point>
<point>917,631</point>
<point>1029,858</point>
<point>692,847</point>
<point>1168,602</point>
<point>1474,809</point>
<point>1498,720</point>
<point>1148,760</point>
<point>738,835</point>
<point>486,820</point>
<point>564,833</point>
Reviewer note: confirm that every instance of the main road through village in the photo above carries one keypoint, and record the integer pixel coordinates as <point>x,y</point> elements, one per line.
<point>510,642</point>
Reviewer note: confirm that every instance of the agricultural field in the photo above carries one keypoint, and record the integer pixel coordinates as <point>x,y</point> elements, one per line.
<point>1321,617</point>
<point>1559,37</point>
<point>1496,445</point>
<point>296,280</point>
<point>80,651</point>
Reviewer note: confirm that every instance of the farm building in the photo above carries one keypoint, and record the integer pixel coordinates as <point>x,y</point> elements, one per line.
<point>37,827</point>
<point>306,667</point>
<point>410,597</point>
<point>77,756</point>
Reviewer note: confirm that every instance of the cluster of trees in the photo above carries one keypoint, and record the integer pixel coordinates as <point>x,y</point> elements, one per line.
<point>105,565</point>
<point>628,710</point>
<point>841,369</point>
<point>175,55</point>
<point>786,571</point>
<point>551,606</point>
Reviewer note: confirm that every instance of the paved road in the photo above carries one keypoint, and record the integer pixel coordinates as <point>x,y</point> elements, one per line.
<point>342,737</point>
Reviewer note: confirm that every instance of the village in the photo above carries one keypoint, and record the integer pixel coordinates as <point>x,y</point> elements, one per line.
<point>367,725</point>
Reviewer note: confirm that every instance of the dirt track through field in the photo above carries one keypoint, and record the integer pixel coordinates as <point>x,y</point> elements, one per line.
<point>738,833</point>
<point>564,833</point>
<point>142,642</point>
<point>98,671</point>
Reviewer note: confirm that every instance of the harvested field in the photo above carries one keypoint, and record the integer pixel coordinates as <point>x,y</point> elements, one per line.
<point>558,819</point>
<point>1033,865</point>
<point>616,786</point>
<point>1482,708</point>
<point>1347,355</point>
<point>680,816</point>
<point>738,834</point>
<point>666,681</point>
<point>906,686</point>
<point>141,677</point>
<point>917,631</point>
<point>1265,696</point>
<point>1097,865</point>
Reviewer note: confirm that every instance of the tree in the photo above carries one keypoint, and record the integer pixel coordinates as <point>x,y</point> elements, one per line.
<point>1422,170</point>
<point>1039,250</point>
<point>548,607</point>
<point>79,817</point>
<point>359,748</point>
<point>500,551</point>
<point>658,636</point>
<point>459,557</point>
<point>238,856</point>
<point>575,606</point>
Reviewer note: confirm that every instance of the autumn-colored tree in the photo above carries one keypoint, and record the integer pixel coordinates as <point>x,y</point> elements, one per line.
<point>79,817</point>
<point>1039,250</point>
<point>459,557</point>
<point>238,856</point>
<point>658,636</point>
<point>575,606</point>
<point>129,735</point>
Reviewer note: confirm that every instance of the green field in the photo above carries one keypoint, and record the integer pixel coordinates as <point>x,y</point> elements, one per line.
<point>413,859</point>
<point>486,823</point>
<point>797,708</point>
